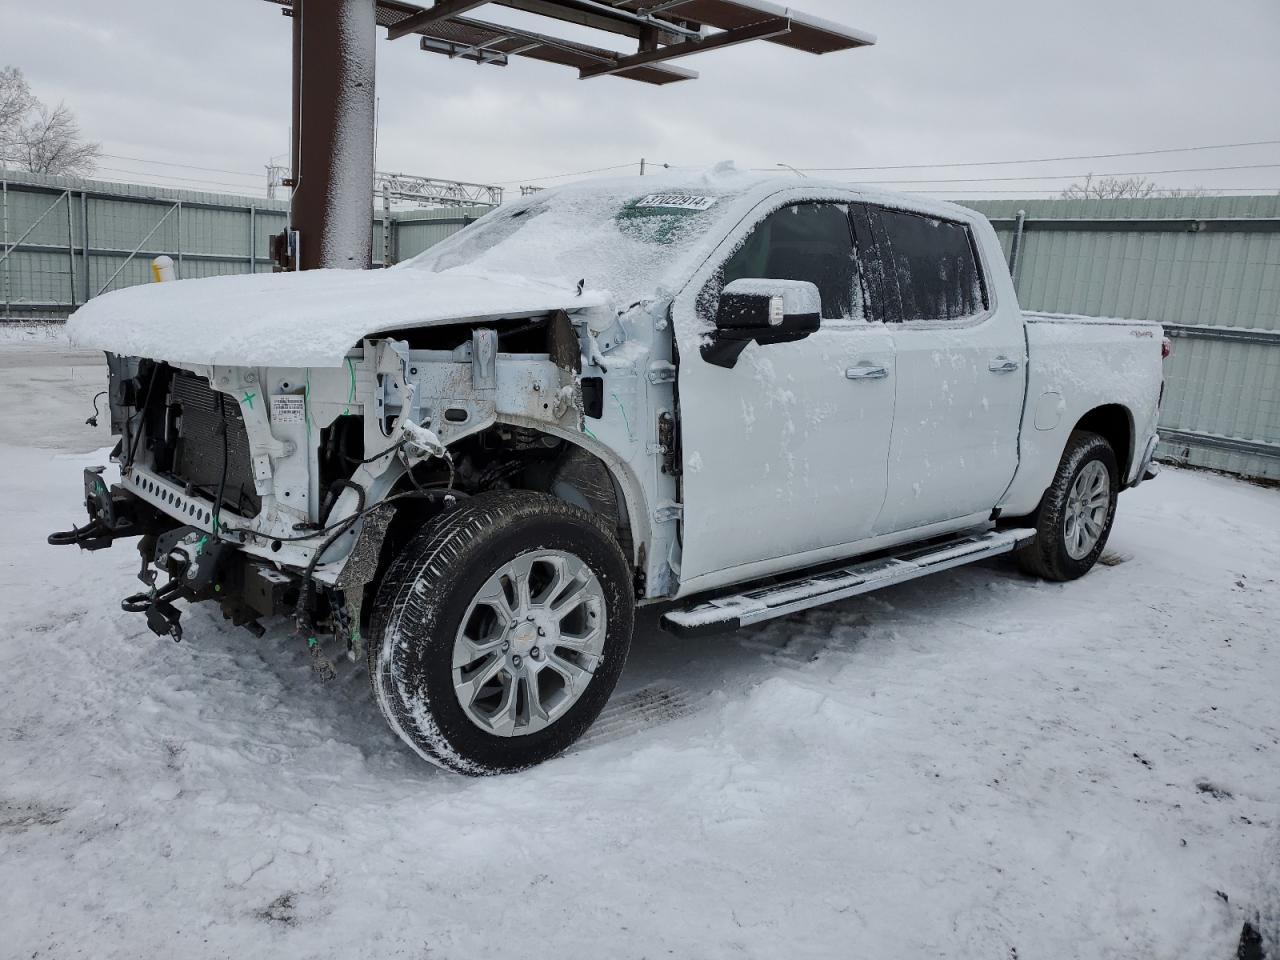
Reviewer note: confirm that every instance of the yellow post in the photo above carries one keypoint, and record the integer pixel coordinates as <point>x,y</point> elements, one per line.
<point>162,269</point>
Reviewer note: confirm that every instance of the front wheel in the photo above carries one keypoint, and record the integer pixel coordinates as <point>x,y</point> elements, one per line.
<point>499,632</point>
<point>1076,514</point>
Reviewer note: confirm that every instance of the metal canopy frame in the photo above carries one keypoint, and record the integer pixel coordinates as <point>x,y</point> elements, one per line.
<point>332,138</point>
<point>663,29</point>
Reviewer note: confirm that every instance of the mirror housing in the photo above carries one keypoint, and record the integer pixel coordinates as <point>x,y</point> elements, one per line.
<point>762,311</point>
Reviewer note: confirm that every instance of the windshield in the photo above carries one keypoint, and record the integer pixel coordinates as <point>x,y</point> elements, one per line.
<point>617,238</point>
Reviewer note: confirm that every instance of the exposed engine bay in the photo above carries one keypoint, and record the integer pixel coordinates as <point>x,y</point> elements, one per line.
<point>286,490</point>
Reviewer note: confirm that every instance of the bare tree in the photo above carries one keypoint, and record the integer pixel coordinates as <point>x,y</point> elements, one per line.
<point>15,103</point>
<point>38,138</point>
<point>50,142</point>
<point>1110,188</point>
<point>1125,188</point>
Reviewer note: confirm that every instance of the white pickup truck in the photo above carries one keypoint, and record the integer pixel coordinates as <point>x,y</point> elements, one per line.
<point>735,396</point>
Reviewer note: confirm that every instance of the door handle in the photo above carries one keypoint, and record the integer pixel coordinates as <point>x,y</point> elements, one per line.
<point>1003,365</point>
<point>866,372</point>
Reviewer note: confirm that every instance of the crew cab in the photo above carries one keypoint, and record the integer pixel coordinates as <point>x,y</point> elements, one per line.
<point>732,395</point>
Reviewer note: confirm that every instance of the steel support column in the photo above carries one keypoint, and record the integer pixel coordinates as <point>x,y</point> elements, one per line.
<point>71,253</point>
<point>4,205</point>
<point>85,292</point>
<point>333,127</point>
<point>386,226</point>
<point>1015,247</point>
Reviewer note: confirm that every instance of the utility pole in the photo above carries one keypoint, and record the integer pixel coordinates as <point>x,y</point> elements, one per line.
<point>642,166</point>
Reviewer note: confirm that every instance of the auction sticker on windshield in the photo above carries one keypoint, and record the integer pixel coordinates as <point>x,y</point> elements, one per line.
<point>675,201</point>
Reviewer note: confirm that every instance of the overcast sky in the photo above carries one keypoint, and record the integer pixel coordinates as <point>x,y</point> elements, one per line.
<point>207,84</point>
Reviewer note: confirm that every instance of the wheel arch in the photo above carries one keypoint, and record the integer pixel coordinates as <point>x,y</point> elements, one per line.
<point>631,511</point>
<point>1114,423</point>
<point>577,479</point>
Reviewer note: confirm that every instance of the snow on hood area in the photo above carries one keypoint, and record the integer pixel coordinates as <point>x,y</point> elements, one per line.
<point>312,318</point>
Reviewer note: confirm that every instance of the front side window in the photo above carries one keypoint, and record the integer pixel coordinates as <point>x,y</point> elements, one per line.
<point>934,266</point>
<point>805,241</point>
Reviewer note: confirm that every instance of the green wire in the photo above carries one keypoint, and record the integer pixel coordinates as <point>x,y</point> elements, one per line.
<point>625,419</point>
<point>351,395</point>
<point>306,406</point>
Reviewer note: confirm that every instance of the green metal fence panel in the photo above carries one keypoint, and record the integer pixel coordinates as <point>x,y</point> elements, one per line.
<point>1208,268</point>
<point>77,238</point>
<point>420,230</point>
<point>98,236</point>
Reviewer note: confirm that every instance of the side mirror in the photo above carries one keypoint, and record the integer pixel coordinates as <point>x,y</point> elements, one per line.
<point>762,311</point>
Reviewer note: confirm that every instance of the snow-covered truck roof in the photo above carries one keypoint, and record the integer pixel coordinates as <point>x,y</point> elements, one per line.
<point>605,244</point>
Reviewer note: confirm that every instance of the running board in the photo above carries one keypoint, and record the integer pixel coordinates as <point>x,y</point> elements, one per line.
<point>813,590</point>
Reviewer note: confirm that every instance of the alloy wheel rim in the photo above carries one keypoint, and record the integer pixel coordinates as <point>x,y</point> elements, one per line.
<point>1085,516</point>
<point>529,643</point>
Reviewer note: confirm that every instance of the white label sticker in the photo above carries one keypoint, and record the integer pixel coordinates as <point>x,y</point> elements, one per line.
<point>675,201</point>
<point>777,311</point>
<point>288,408</point>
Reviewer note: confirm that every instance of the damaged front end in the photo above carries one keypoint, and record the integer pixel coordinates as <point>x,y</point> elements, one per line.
<point>283,491</point>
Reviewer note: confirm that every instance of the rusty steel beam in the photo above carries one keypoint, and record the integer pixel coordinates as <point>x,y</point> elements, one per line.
<point>764,30</point>
<point>330,212</point>
<point>443,10</point>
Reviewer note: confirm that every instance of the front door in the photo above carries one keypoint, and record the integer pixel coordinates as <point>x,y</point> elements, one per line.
<point>784,453</point>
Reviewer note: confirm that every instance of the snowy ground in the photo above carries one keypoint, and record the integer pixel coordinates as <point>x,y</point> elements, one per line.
<point>977,765</point>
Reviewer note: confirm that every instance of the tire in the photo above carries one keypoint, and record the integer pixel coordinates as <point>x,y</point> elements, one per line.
<point>429,614</point>
<point>1055,554</point>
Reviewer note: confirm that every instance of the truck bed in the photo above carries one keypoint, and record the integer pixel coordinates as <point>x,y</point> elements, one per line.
<point>1077,366</point>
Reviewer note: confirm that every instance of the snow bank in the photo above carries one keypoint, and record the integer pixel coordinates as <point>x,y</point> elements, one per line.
<point>48,333</point>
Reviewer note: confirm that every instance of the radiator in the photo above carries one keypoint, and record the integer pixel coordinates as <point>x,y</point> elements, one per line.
<point>198,455</point>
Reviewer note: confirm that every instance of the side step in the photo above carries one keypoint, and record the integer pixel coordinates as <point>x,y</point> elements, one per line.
<point>813,590</point>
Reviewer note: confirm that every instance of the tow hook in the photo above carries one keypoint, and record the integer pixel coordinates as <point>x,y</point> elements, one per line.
<point>162,616</point>
<point>191,558</point>
<point>111,516</point>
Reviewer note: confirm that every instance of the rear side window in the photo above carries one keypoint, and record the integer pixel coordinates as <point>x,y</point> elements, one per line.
<point>806,241</point>
<point>934,266</point>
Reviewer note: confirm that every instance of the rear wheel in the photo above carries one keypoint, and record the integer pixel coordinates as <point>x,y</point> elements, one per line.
<point>1075,517</point>
<point>500,631</point>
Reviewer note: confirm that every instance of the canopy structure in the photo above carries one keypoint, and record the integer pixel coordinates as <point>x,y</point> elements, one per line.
<point>333,53</point>
<point>663,31</point>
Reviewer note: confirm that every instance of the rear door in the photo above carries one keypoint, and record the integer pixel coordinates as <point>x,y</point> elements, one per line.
<point>784,454</point>
<point>961,370</point>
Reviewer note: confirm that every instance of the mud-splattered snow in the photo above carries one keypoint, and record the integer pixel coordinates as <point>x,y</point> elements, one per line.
<point>976,765</point>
